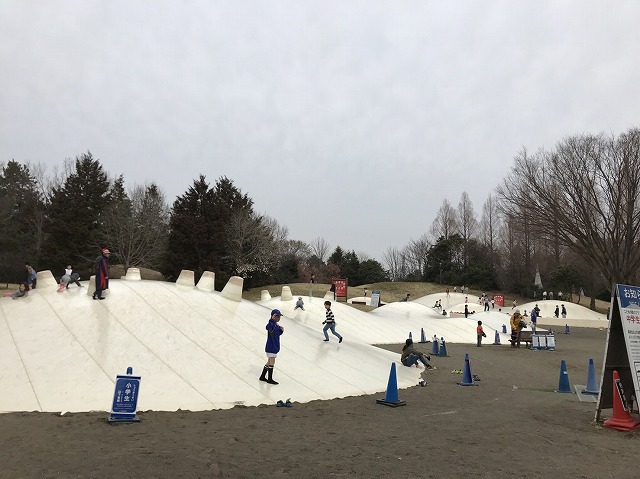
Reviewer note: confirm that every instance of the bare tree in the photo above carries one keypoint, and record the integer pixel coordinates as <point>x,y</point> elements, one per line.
<point>320,249</point>
<point>251,242</point>
<point>467,225</point>
<point>394,263</point>
<point>295,249</point>
<point>137,233</point>
<point>415,254</point>
<point>446,222</point>
<point>489,223</point>
<point>584,193</point>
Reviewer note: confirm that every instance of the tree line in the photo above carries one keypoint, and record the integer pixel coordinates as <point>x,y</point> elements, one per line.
<point>52,219</point>
<point>570,212</point>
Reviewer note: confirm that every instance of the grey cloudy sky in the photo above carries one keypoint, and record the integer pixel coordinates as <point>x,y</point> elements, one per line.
<point>347,120</point>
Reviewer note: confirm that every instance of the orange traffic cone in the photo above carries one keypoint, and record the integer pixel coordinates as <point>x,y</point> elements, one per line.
<point>621,419</point>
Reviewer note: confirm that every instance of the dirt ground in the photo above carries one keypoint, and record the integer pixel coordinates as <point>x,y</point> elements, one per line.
<point>511,425</point>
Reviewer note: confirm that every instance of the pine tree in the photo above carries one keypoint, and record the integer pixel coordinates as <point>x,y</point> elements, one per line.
<point>198,229</point>
<point>20,205</point>
<point>75,216</point>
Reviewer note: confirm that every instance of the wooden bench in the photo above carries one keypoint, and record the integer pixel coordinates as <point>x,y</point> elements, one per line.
<point>525,337</point>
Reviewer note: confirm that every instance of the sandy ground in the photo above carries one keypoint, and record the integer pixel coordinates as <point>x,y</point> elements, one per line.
<point>511,425</point>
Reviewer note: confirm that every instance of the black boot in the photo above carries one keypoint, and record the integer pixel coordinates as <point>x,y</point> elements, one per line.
<point>263,376</point>
<point>270,372</point>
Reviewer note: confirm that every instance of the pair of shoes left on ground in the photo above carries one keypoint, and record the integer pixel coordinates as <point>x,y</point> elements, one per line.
<point>282,403</point>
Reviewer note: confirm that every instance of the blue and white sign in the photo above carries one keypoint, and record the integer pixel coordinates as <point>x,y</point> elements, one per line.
<point>629,300</point>
<point>125,399</point>
<point>375,298</point>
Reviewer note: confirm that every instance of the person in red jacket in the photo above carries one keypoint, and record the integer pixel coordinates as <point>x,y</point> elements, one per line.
<point>102,273</point>
<point>480,332</point>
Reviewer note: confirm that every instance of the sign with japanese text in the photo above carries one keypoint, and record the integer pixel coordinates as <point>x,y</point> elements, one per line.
<point>629,300</point>
<point>341,287</point>
<point>125,398</point>
<point>499,300</point>
<point>622,350</point>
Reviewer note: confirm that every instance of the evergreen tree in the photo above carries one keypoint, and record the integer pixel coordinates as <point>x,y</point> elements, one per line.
<point>370,271</point>
<point>336,257</point>
<point>199,228</point>
<point>75,216</point>
<point>20,206</point>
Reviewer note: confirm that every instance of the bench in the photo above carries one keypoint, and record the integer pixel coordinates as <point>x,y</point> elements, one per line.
<point>525,337</point>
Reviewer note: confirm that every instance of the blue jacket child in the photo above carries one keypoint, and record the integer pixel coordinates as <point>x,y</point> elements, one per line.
<point>272,348</point>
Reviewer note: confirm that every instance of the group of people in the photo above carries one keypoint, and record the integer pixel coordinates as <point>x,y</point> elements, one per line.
<point>485,301</point>
<point>69,276</point>
<point>550,295</point>
<point>559,312</point>
<point>463,289</point>
<point>275,330</point>
<point>27,285</point>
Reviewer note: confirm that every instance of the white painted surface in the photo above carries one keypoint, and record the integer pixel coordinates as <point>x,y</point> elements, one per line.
<point>194,349</point>
<point>197,349</point>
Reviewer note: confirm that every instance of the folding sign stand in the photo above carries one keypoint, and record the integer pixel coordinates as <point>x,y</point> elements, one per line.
<point>622,351</point>
<point>125,398</point>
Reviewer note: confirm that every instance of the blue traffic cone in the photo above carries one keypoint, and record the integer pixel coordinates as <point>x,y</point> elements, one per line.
<point>563,384</point>
<point>391,398</point>
<point>467,379</point>
<point>567,329</point>
<point>423,338</point>
<point>592,383</point>
<point>497,339</point>
<point>410,337</point>
<point>504,329</point>
<point>434,346</point>
<point>443,349</point>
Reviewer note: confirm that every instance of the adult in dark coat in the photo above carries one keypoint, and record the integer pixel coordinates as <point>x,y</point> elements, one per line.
<point>102,273</point>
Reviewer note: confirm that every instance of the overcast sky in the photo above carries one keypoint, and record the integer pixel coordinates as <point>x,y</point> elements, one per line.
<point>347,120</point>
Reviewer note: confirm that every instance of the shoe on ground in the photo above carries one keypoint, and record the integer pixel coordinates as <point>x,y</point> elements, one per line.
<point>263,379</point>
<point>272,381</point>
<point>340,340</point>
<point>430,367</point>
<point>325,340</point>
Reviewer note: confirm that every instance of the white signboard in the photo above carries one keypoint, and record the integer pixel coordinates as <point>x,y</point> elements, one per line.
<point>629,300</point>
<point>622,351</point>
<point>375,298</point>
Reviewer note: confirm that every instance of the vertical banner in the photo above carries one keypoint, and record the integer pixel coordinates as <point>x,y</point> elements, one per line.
<point>499,300</point>
<point>622,349</point>
<point>341,288</point>
<point>375,298</point>
<point>125,399</point>
<point>629,300</point>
